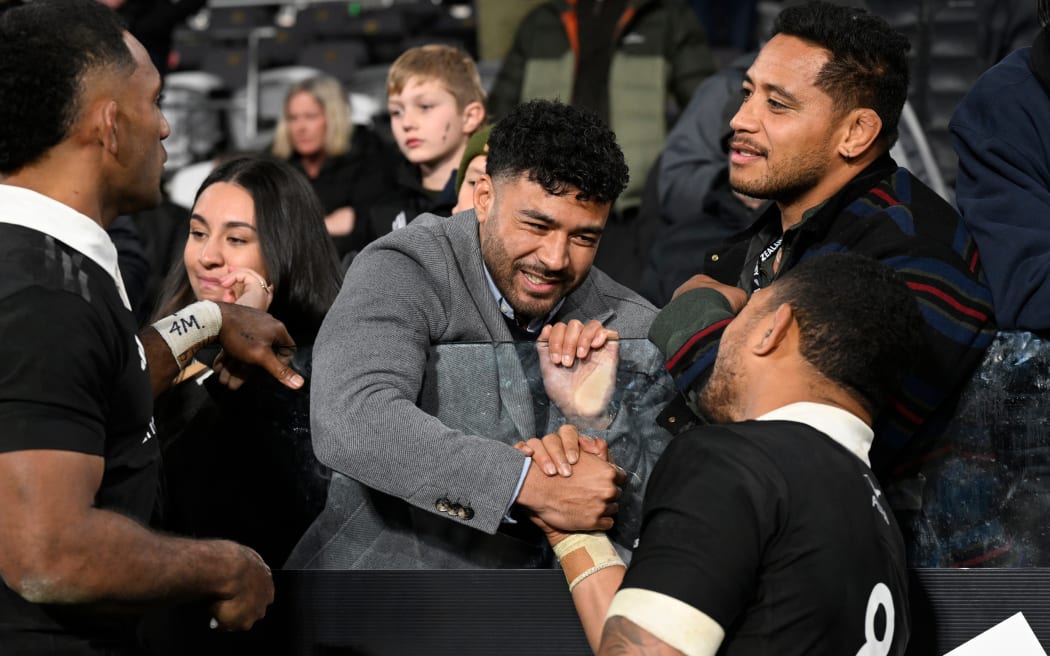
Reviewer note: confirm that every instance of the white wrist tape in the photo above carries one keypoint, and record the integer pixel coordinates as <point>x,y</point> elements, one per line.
<point>189,329</point>
<point>583,554</point>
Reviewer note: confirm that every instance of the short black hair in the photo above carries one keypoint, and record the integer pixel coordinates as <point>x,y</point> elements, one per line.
<point>46,49</point>
<point>859,324</point>
<point>558,146</point>
<point>868,62</point>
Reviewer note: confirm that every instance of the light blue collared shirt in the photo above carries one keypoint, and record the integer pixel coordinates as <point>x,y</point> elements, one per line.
<point>534,327</point>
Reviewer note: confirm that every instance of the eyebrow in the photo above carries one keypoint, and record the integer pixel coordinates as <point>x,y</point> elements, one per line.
<point>550,221</point>
<point>228,224</point>
<point>774,88</point>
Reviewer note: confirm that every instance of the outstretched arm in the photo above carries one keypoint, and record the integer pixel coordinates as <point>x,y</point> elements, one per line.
<point>687,332</point>
<point>57,547</point>
<point>75,394</point>
<point>247,335</point>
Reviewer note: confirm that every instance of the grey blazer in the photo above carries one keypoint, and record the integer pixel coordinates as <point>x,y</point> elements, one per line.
<point>417,425</point>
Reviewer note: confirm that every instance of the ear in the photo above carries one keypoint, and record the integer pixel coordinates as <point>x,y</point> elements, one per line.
<point>106,126</point>
<point>778,326</point>
<point>484,197</point>
<point>473,116</point>
<point>861,128</point>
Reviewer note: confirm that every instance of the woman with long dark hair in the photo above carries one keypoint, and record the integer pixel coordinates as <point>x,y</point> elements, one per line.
<point>238,463</point>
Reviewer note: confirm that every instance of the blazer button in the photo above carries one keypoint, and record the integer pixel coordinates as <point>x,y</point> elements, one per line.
<point>455,509</point>
<point>442,505</point>
<point>468,513</point>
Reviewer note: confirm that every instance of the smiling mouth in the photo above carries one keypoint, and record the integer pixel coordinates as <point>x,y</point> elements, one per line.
<point>746,150</point>
<point>540,281</point>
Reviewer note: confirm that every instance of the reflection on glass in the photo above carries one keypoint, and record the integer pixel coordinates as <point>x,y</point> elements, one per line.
<point>512,390</point>
<point>983,499</point>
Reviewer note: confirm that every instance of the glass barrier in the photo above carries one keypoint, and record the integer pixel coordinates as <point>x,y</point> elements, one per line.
<point>238,461</point>
<point>627,393</point>
<point>240,464</point>
<point>983,497</point>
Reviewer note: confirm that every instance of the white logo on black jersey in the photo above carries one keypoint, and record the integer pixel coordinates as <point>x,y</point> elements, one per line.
<point>876,494</point>
<point>142,353</point>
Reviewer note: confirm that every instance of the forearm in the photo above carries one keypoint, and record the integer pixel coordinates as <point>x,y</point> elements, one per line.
<point>594,573</point>
<point>687,332</point>
<point>163,368</point>
<point>184,333</point>
<point>105,557</point>
<point>592,598</point>
<point>423,464</point>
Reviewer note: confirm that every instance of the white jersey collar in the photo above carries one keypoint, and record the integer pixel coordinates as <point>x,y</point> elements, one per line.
<point>30,209</point>
<point>844,427</point>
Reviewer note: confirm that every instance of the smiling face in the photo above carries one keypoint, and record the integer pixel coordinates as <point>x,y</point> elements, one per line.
<point>430,129</point>
<point>307,124</point>
<point>787,130</point>
<point>538,247</point>
<point>223,237</point>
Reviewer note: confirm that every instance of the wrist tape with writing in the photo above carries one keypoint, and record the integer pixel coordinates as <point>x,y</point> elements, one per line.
<point>189,329</point>
<point>583,554</point>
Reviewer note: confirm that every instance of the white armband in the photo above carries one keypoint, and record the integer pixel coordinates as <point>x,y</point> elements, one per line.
<point>186,331</point>
<point>583,554</point>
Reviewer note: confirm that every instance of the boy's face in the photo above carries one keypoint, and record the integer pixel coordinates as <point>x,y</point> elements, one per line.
<point>429,127</point>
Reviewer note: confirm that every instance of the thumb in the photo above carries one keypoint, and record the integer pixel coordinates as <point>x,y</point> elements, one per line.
<point>282,371</point>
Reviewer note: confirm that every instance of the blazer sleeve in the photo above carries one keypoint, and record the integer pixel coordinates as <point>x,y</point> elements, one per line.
<point>369,363</point>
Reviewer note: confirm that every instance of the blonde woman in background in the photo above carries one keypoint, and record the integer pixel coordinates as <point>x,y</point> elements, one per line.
<point>347,165</point>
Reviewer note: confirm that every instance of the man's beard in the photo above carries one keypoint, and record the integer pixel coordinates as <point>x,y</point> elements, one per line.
<point>789,181</point>
<point>718,397</point>
<point>504,272</point>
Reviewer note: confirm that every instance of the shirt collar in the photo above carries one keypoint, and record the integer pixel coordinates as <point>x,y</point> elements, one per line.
<point>536,325</point>
<point>30,209</point>
<point>844,427</point>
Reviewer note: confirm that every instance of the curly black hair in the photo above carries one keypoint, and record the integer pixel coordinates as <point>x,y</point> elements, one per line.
<point>859,324</point>
<point>868,62</point>
<point>561,148</point>
<point>46,48</point>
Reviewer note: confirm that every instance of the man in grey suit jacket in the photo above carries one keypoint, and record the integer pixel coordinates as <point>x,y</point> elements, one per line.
<point>417,399</point>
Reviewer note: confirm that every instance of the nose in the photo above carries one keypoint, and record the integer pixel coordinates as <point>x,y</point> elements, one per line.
<point>408,119</point>
<point>553,252</point>
<point>165,129</point>
<point>743,120</point>
<point>210,255</point>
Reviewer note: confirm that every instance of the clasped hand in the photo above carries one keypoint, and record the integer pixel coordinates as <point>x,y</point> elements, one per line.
<point>577,486</point>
